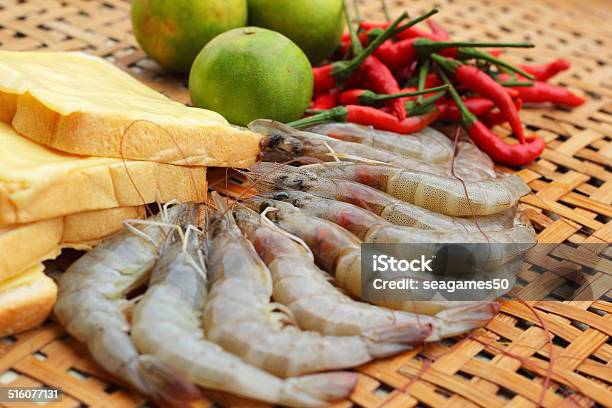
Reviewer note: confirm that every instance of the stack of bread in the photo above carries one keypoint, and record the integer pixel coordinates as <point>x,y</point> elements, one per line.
<point>83,147</point>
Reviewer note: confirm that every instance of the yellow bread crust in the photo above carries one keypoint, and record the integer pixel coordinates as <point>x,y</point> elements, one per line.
<point>24,245</point>
<point>39,183</point>
<point>71,112</point>
<point>26,306</point>
<point>108,187</point>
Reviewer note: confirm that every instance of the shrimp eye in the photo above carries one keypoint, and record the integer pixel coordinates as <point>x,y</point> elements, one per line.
<point>281,196</point>
<point>275,140</point>
<point>295,146</point>
<point>264,205</point>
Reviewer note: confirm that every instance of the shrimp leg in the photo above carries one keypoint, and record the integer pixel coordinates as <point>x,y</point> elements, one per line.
<point>91,302</point>
<point>167,323</point>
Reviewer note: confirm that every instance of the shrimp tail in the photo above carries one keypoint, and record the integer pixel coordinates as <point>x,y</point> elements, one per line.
<point>462,319</point>
<point>318,389</point>
<point>516,184</point>
<point>167,385</point>
<point>390,339</point>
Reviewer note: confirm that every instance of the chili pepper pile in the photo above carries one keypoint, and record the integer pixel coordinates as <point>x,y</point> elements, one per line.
<point>401,77</point>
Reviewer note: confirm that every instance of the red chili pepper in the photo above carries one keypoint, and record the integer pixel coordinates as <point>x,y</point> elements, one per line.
<point>366,115</point>
<point>500,151</point>
<point>481,83</point>
<point>404,74</point>
<point>367,97</point>
<point>437,30</point>
<point>496,52</point>
<point>410,32</point>
<point>326,100</point>
<point>369,116</point>
<point>398,54</point>
<point>433,80</point>
<point>345,41</point>
<point>382,81</point>
<point>330,75</point>
<point>546,71</point>
<point>473,53</point>
<point>496,118</point>
<point>477,106</point>
<point>512,92</point>
<point>542,92</point>
<point>493,119</point>
<point>404,52</point>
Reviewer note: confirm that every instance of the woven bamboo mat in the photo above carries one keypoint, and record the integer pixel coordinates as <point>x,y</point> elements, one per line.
<point>558,355</point>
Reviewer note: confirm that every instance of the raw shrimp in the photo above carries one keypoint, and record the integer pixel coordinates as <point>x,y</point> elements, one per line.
<point>444,195</point>
<point>91,303</point>
<point>317,304</point>
<point>338,252</point>
<point>498,247</point>
<point>428,145</point>
<point>239,316</point>
<point>167,323</point>
<point>283,143</point>
<point>282,177</point>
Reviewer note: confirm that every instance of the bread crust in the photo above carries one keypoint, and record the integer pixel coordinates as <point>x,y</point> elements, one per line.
<point>120,136</point>
<point>117,185</point>
<point>24,245</point>
<point>26,306</point>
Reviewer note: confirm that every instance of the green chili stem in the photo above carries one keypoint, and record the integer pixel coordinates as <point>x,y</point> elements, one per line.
<point>467,117</point>
<point>445,63</point>
<point>355,43</point>
<point>357,12</point>
<point>370,98</point>
<point>385,10</point>
<point>470,52</point>
<point>517,83</point>
<point>337,114</point>
<point>414,109</point>
<point>424,42</point>
<point>415,21</point>
<point>423,72</point>
<point>343,69</point>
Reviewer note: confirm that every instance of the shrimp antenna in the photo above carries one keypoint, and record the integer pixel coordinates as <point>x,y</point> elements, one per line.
<point>130,225</point>
<point>289,235</point>
<point>164,209</point>
<point>200,265</point>
<point>332,152</point>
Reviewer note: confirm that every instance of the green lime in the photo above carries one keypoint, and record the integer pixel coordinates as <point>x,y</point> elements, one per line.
<point>173,32</point>
<point>252,73</point>
<point>314,25</point>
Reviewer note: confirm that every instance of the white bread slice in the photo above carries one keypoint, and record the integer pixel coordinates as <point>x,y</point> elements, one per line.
<point>84,105</point>
<point>24,245</point>
<point>38,183</point>
<point>26,300</point>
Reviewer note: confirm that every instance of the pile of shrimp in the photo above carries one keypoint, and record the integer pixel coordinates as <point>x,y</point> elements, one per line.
<point>261,299</point>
